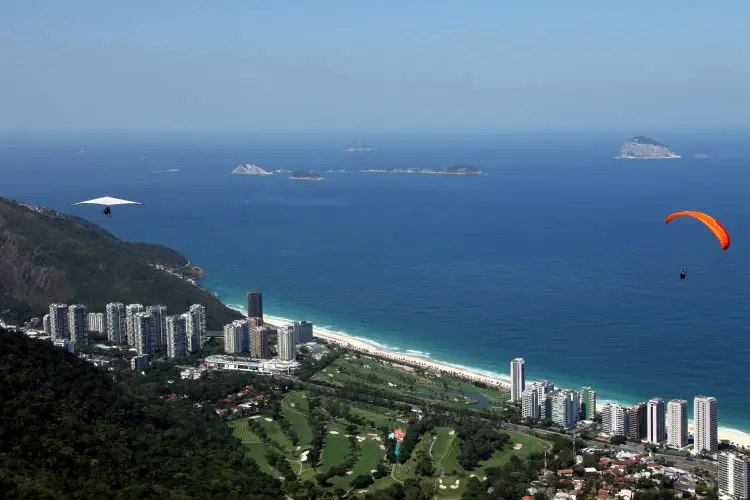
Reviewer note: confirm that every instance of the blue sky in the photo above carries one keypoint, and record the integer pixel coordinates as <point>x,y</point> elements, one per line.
<point>79,65</point>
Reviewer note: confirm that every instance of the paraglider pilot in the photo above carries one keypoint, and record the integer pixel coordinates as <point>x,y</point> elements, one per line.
<point>683,274</point>
<point>108,211</point>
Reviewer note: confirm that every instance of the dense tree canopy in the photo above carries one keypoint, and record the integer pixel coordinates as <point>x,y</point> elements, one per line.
<point>69,431</point>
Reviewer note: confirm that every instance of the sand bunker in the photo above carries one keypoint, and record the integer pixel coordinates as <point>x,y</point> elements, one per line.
<point>348,473</point>
<point>373,471</point>
<point>452,432</point>
<point>333,432</point>
<point>442,486</point>
<point>268,419</point>
<point>518,446</point>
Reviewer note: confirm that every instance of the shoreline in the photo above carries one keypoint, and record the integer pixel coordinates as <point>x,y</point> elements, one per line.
<point>368,346</point>
<point>736,437</point>
<point>733,436</point>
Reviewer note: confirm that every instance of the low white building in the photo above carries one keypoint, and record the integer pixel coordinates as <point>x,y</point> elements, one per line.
<point>218,362</point>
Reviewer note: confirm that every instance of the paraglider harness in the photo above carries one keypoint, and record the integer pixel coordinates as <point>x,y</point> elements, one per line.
<point>108,211</point>
<point>683,274</point>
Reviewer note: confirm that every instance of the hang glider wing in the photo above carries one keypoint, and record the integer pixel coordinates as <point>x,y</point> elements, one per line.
<point>108,201</point>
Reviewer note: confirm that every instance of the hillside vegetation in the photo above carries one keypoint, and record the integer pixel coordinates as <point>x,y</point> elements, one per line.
<point>68,431</point>
<point>50,257</point>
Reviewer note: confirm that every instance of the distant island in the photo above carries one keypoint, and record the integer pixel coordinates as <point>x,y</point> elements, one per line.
<point>250,169</point>
<point>454,170</point>
<point>643,148</point>
<point>306,176</point>
<point>702,156</point>
<point>361,147</point>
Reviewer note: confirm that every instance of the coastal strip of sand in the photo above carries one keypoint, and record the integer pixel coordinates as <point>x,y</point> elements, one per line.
<point>365,346</point>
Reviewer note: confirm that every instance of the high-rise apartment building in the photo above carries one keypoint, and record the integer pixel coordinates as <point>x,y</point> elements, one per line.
<point>115,312</point>
<point>304,331</point>
<point>159,313</point>
<point>734,475</point>
<point>530,408</point>
<point>656,414</point>
<point>78,322</point>
<point>705,425</point>
<point>96,322</point>
<point>564,407</point>
<point>677,423</point>
<point>517,379</point>
<point>237,337</point>
<point>287,343</point>
<point>615,420</point>
<point>58,321</point>
<point>144,333</point>
<point>259,341</point>
<point>176,336</point>
<point>130,311</point>
<point>637,422</point>
<point>255,305</point>
<point>588,403</point>
<point>199,311</point>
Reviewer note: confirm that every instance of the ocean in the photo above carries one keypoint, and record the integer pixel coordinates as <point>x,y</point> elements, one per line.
<point>559,255</point>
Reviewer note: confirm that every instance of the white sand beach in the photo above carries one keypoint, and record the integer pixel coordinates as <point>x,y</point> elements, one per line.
<point>373,348</point>
<point>733,436</point>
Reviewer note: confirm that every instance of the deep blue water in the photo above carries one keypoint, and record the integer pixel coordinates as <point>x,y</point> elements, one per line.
<point>560,255</point>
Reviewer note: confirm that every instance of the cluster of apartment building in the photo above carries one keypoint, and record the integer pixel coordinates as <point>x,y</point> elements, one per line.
<point>148,329</point>
<point>657,421</point>
<point>252,336</point>
<point>541,400</point>
<point>662,422</point>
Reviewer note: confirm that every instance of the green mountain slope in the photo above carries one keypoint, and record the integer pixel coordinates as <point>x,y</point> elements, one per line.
<point>68,431</point>
<point>50,257</point>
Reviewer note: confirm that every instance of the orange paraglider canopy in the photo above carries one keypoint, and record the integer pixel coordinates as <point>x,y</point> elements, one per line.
<point>715,226</point>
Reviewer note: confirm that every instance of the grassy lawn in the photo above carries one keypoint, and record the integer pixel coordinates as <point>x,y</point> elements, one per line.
<point>296,416</point>
<point>405,471</point>
<point>257,451</point>
<point>370,456</point>
<point>383,375</point>
<point>276,435</point>
<point>381,418</point>
<point>298,401</point>
<point>455,472</point>
<point>242,431</point>
<point>442,445</point>
<point>335,448</point>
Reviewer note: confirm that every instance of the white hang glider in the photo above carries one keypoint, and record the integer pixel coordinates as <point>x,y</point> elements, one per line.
<point>107,202</point>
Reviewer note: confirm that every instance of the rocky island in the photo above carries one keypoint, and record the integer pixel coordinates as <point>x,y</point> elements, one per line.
<point>250,169</point>
<point>454,170</point>
<point>643,148</point>
<point>306,176</point>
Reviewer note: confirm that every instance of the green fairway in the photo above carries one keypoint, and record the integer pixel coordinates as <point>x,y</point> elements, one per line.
<point>384,417</point>
<point>405,471</point>
<point>298,401</point>
<point>442,445</point>
<point>242,431</point>
<point>528,445</point>
<point>335,448</point>
<point>294,411</point>
<point>276,435</point>
<point>370,456</point>
<point>257,451</point>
